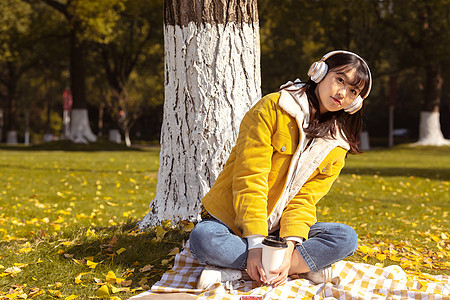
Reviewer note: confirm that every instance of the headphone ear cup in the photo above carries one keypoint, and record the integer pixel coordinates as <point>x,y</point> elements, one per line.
<point>312,70</point>
<point>317,71</point>
<point>354,106</point>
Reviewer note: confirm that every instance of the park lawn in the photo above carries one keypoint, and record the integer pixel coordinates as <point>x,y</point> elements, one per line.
<point>68,218</point>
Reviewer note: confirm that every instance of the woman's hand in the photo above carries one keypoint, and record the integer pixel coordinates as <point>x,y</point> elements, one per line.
<point>254,265</point>
<point>283,270</point>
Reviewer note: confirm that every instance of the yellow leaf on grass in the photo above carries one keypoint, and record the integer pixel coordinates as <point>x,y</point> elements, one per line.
<point>120,251</point>
<point>111,277</point>
<point>55,293</point>
<point>126,282</point>
<point>25,250</point>
<point>78,277</point>
<point>435,238</point>
<point>91,264</point>
<point>103,291</point>
<point>90,232</point>
<point>34,292</point>
<point>71,297</point>
<point>13,271</point>
<point>115,290</point>
<point>395,258</point>
<point>365,249</point>
<point>78,261</point>
<point>381,257</point>
<point>146,268</point>
<point>20,265</point>
<point>174,251</point>
<point>188,227</point>
<point>160,233</point>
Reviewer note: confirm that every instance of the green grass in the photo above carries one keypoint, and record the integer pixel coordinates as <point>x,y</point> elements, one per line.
<point>59,210</point>
<point>396,199</point>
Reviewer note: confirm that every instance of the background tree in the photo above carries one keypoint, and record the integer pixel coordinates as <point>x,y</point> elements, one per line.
<point>137,42</point>
<point>403,41</point>
<point>15,57</point>
<point>88,21</point>
<point>212,77</point>
<point>422,44</point>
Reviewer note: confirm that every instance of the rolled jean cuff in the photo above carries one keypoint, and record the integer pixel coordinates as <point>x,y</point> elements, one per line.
<point>309,262</point>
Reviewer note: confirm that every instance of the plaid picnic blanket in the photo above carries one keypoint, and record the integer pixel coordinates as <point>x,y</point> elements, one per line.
<point>354,281</point>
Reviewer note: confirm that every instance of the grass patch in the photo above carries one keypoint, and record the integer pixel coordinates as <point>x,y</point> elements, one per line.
<point>398,201</point>
<point>68,218</point>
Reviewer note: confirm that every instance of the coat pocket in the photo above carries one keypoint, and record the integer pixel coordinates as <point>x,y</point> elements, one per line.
<point>282,143</point>
<point>283,150</point>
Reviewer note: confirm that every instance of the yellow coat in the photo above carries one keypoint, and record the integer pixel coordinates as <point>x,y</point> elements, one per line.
<point>247,190</point>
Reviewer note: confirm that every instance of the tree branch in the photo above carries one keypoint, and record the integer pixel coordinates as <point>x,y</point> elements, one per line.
<point>58,6</point>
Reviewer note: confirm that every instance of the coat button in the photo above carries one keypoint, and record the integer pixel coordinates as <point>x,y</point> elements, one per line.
<point>283,148</point>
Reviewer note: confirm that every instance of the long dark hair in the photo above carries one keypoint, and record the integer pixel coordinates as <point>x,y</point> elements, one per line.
<point>350,126</point>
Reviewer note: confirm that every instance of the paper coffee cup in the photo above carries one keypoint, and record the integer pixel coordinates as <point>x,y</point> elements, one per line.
<point>272,254</point>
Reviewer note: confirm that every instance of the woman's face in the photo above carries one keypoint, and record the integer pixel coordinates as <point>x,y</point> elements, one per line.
<point>334,91</point>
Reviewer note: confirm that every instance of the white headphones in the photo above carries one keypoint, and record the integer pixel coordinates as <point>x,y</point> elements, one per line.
<point>319,69</point>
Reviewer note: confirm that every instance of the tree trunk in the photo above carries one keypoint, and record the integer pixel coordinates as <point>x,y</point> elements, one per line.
<point>80,129</point>
<point>430,133</point>
<point>127,137</point>
<point>212,77</point>
<point>11,108</point>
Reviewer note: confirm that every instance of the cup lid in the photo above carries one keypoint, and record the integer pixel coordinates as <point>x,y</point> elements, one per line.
<point>274,241</point>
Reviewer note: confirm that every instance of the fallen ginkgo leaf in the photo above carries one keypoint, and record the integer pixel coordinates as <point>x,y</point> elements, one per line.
<point>120,251</point>
<point>174,251</point>
<point>103,291</point>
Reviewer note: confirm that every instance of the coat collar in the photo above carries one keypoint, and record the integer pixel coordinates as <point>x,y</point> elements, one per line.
<point>294,101</point>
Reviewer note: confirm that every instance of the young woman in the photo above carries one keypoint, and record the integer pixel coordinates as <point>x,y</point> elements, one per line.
<point>291,147</point>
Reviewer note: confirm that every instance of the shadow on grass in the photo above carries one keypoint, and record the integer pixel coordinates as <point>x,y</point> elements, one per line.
<point>435,174</point>
<point>32,168</point>
<point>140,251</point>
<point>70,146</point>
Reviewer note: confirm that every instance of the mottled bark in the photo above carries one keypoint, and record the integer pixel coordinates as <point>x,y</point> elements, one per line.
<point>182,12</point>
<point>212,77</point>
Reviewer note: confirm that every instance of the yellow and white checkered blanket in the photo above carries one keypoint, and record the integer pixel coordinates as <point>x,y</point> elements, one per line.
<point>354,281</point>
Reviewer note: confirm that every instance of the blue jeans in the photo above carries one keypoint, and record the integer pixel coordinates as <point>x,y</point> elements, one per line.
<point>213,243</point>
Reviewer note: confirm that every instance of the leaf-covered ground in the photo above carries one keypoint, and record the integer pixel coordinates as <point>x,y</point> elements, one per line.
<point>68,218</point>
